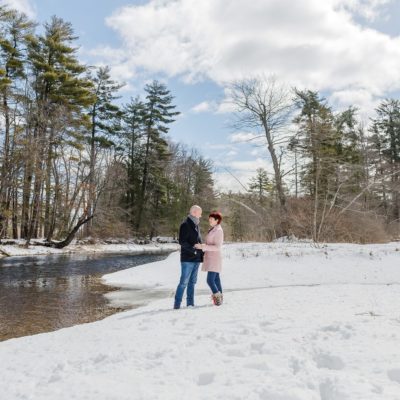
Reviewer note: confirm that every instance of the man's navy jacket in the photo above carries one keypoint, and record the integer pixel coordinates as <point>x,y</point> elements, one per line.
<point>189,235</point>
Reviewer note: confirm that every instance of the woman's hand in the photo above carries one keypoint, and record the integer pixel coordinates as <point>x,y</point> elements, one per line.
<point>198,246</point>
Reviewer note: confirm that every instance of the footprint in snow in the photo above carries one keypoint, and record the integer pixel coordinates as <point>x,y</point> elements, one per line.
<point>99,358</point>
<point>264,324</point>
<point>328,390</point>
<point>257,347</point>
<point>54,378</point>
<point>206,378</point>
<point>377,389</point>
<point>345,331</point>
<point>261,366</point>
<point>394,375</point>
<point>329,361</point>
<point>235,353</point>
<point>296,365</point>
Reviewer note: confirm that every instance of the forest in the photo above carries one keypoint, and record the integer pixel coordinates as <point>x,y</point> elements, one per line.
<point>75,160</point>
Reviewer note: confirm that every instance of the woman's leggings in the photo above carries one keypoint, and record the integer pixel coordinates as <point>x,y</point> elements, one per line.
<point>214,281</point>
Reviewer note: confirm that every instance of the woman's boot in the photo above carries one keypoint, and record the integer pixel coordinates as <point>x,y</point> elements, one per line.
<point>217,298</point>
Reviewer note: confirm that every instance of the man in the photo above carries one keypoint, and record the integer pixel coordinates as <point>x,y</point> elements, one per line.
<point>189,235</point>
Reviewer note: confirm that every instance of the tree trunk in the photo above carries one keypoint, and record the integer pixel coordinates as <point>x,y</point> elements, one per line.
<point>48,185</point>
<point>316,203</point>
<point>278,181</point>
<point>59,245</point>
<point>5,170</point>
<point>37,195</point>
<point>15,213</point>
<point>144,180</point>
<point>26,196</point>
<point>92,180</point>
<point>27,182</point>
<point>56,206</point>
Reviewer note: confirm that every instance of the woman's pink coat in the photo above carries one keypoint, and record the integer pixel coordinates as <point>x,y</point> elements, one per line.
<point>213,246</point>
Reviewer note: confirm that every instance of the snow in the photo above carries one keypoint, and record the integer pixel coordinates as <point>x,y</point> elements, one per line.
<point>298,323</point>
<point>19,249</point>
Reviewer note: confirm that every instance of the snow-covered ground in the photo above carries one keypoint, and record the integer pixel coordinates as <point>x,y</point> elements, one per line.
<point>298,322</point>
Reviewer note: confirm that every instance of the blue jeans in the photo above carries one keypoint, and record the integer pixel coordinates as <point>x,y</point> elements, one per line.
<point>188,279</point>
<point>214,281</point>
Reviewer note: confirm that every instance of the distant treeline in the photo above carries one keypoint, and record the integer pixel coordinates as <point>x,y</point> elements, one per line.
<point>334,178</point>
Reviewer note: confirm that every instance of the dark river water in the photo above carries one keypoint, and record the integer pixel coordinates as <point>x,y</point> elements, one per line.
<point>45,293</point>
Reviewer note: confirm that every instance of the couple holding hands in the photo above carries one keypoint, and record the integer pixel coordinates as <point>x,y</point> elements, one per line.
<point>193,252</point>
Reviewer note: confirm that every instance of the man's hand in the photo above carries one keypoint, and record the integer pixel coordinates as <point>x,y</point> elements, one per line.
<point>198,246</point>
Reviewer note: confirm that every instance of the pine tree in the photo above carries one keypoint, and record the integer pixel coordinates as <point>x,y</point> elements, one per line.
<point>158,114</point>
<point>132,134</point>
<point>331,147</point>
<point>261,185</point>
<point>15,31</point>
<point>316,140</point>
<point>350,170</point>
<point>386,141</point>
<point>237,224</point>
<point>60,89</point>
<point>105,117</point>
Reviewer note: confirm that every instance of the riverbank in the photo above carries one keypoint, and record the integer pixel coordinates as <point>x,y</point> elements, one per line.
<point>19,248</point>
<point>298,323</point>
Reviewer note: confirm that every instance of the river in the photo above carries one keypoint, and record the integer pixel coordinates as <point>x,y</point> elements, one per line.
<point>46,293</point>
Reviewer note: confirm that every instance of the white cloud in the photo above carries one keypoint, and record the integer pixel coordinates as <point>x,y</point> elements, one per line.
<point>121,71</point>
<point>223,151</point>
<point>25,6</point>
<point>368,9</point>
<point>204,106</point>
<point>217,146</point>
<point>225,106</point>
<point>362,98</point>
<point>127,88</point>
<point>308,43</point>
<point>249,165</point>
<point>235,175</point>
<point>242,137</point>
<point>258,151</point>
<point>106,52</point>
<point>225,182</point>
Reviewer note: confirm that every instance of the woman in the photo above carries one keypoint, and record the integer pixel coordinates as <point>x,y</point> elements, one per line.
<point>212,256</point>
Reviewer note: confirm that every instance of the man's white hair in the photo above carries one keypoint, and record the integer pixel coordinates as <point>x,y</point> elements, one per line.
<point>195,207</point>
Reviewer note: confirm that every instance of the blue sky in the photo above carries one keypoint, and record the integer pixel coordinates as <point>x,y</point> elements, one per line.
<point>349,50</point>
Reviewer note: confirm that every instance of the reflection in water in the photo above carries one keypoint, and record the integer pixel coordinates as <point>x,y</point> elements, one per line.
<point>45,293</point>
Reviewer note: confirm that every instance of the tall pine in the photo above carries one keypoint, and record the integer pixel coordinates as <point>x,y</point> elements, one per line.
<point>158,115</point>
<point>15,32</point>
<point>59,90</point>
<point>385,129</point>
<point>132,136</point>
<point>105,118</point>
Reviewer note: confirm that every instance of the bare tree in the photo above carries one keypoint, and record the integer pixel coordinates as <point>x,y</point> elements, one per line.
<point>263,105</point>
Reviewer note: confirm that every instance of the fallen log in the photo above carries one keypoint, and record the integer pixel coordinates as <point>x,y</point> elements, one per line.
<point>59,245</point>
<point>4,252</point>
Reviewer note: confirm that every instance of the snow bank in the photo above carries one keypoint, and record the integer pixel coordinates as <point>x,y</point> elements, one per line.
<point>132,248</point>
<point>298,323</point>
<point>258,265</point>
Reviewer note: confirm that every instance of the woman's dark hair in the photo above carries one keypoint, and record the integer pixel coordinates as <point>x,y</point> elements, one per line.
<point>216,215</point>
